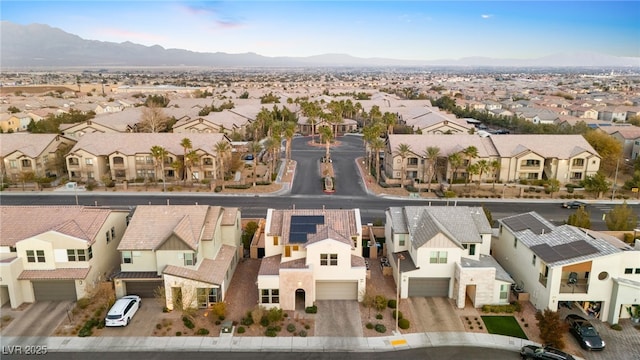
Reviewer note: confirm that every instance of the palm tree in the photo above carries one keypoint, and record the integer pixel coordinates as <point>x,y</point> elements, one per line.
<point>431,155</point>
<point>222,148</point>
<point>335,118</point>
<point>289,130</point>
<point>403,150</point>
<point>272,147</point>
<point>472,169</point>
<point>312,111</point>
<point>190,160</point>
<point>186,146</point>
<point>495,167</point>
<point>471,152</point>
<point>376,145</point>
<point>455,161</point>
<point>369,134</point>
<point>159,154</point>
<point>483,166</point>
<point>390,121</point>
<point>254,148</point>
<point>326,134</point>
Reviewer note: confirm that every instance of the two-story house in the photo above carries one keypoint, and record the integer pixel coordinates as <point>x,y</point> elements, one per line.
<point>40,154</point>
<point>566,264</point>
<point>311,255</point>
<point>444,252</point>
<point>56,252</point>
<point>184,253</point>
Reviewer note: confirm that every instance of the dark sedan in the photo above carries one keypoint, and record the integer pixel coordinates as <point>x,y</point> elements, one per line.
<point>544,353</point>
<point>584,332</point>
<point>573,204</point>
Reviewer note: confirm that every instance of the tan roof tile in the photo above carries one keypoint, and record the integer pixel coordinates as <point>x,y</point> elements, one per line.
<point>57,274</point>
<point>342,221</point>
<point>209,271</point>
<point>270,265</point>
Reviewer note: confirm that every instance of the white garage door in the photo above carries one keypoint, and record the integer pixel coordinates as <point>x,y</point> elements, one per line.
<point>431,287</point>
<point>336,290</point>
<point>54,290</point>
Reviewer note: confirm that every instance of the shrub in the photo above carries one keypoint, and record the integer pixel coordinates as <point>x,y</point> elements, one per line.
<point>274,315</point>
<point>83,303</point>
<point>381,328</point>
<point>291,328</point>
<point>187,322</point>
<point>302,333</point>
<point>264,321</point>
<point>399,314</point>
<point>369,326</point>
<point>241,330</point>
<point>616,327</point>
<point>217,189</point>
<point>311,309</point>
<point>217,322</point>
<point>380,302</point>
<point>202,331</point>
<point>165,309</point>
<point>158,326</point>
<point>392,304</point>
<point>271,332</point>
<point>307,327</point>
<point>404,324</point>
<point>247,321</point>
<point>178,333</point>
<point>379,316</point>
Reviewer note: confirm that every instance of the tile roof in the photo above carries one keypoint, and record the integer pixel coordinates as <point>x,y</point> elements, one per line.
<point>270,265</point>
<point>103,144</point>
<point>229,216</point>
<point>327,232</point>
<point>137,275</point>
<point>151,225</point>
<point>487,261</point>
<point>342,221</point>
<point>31,145</point>
<point>211,271</point>
<point>562,237</point>
<point>22,222</point>
<point>57,274</point>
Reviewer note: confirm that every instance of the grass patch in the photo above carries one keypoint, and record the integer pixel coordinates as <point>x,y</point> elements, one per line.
<point>504,325</point>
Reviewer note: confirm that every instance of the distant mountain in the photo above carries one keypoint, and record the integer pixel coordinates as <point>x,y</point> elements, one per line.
<point>37,45</point>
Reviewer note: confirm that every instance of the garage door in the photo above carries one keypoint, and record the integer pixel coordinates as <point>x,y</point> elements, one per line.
<point>54,290</point>
<point>145,289</point>
<point>429,286</point>
<point>336,290</point>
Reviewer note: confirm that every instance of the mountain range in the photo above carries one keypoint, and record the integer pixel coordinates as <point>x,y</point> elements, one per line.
<point>43,46</point>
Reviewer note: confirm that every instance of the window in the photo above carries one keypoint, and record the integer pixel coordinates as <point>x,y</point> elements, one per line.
<point>90,175</point>
<point>637,270</point>
<point>287,251</point>
<point>412,161</point>
<point>71,255</point>
<point>207,297</point>
<point>533,260</point>
<point>401,239</point>
<point>438,257</point>
<point>628,271</point>
<point>13,164</point>
<point>127,258</point>
<point>12,249</point>
<point>530,163</point>
<point>504,291</point>
<point>329,259</point>
<point>270,296</point>
<point>40,256</point>
<point>472,249</point>
<point>74,161</point>
<point>190,259</point>
<point>578,162</point>
<point>275,241</point>
<point>576,175</point>
<point>113,232</point>
<point>90,252</point>
<point>81,255</point>
<point>296,247</point>
<point>26,163</point>
<point>107,235</point>
<point>515,243</point>
<point>31,257</point>
<point>88,161</point>
<point>207,161</point>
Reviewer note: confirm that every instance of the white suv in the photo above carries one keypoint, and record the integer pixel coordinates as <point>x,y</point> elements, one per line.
<point>122,311</point>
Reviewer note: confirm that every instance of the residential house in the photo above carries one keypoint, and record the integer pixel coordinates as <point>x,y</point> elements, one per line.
<point>566,264</point>
<point>629,137</point>
<point>311,255</point>
<point>188,251</point>
<point>445,252</point>
<point>532,157</point>
<point>40,154</point>
<point>56,252</point>
<point>127,156</point>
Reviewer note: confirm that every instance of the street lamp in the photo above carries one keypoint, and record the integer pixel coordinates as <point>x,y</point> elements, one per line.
<point>400,257</point>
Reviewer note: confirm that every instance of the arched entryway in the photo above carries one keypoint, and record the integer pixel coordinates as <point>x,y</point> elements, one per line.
<point>300,299</point>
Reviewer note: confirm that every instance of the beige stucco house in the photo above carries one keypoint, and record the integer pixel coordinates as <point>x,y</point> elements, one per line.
<point>556,264</point>
<point>444,252</point>
<point>40,154</point>
<point>189,251</point>
<point>56,252</point>
<point>530,157</point>
<point>311,255</point>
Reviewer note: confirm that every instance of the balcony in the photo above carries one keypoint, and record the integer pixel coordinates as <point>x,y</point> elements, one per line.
<point>580,287</point>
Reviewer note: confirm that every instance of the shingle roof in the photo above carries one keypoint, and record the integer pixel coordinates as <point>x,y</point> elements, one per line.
<point>151,225</point>
<point>22,222</point>
<point>487,261</point>
<point>57,274</point>
<point>209,271</point>
<point>461,224</point>
<point>31,145</point>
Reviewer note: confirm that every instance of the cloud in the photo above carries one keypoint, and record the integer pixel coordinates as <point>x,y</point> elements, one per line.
<point>486,16</point>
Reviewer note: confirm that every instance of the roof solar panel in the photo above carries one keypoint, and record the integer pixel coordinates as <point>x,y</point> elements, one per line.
<point>584,248</point>
<point>527,221</point>
<point>546,253</point>
<point>566,251</point>
<point>303,225</point>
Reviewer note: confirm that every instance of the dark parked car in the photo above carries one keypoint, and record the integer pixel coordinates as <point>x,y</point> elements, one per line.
<point>584,332</point>
<point>573,204</point>
<point>545,353</point>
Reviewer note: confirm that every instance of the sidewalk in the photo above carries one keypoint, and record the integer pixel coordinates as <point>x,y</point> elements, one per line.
<point>281,343</point>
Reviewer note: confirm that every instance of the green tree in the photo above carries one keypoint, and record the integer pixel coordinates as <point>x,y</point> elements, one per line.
<point>494,166</point>
<point>553,187</point>
<point>186,146</point>
<point>222,149</point>
<point>390,121</point>
<point>288,130</point>
<point>596,184</point>
<point>431,154</point>
<point>607,147</point>
<point>621,218</point>
<point>455,162</point>
<point>191,160</point>
<point>483,167</point>
<point>326,134</point>
<point>403,150</point>
<point>159,154</point>
<point>552,329</point>
<point>470,153</point>
<point>377,145</point>
<point>580,218</point>
<point>248,232</point>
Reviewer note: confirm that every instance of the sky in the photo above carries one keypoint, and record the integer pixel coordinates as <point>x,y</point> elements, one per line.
<point>408,30</point>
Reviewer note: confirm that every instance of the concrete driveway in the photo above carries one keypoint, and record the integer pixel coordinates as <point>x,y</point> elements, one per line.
<point>38,319</point>
<point>435,314</point>
<point>338,318</point>
<point>143,322</point>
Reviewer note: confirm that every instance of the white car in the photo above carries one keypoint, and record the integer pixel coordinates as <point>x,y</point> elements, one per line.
<point>123,310</point>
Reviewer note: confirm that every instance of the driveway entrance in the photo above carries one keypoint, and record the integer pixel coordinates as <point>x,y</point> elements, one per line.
<point>38,319</point>
<point>338,318</point>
